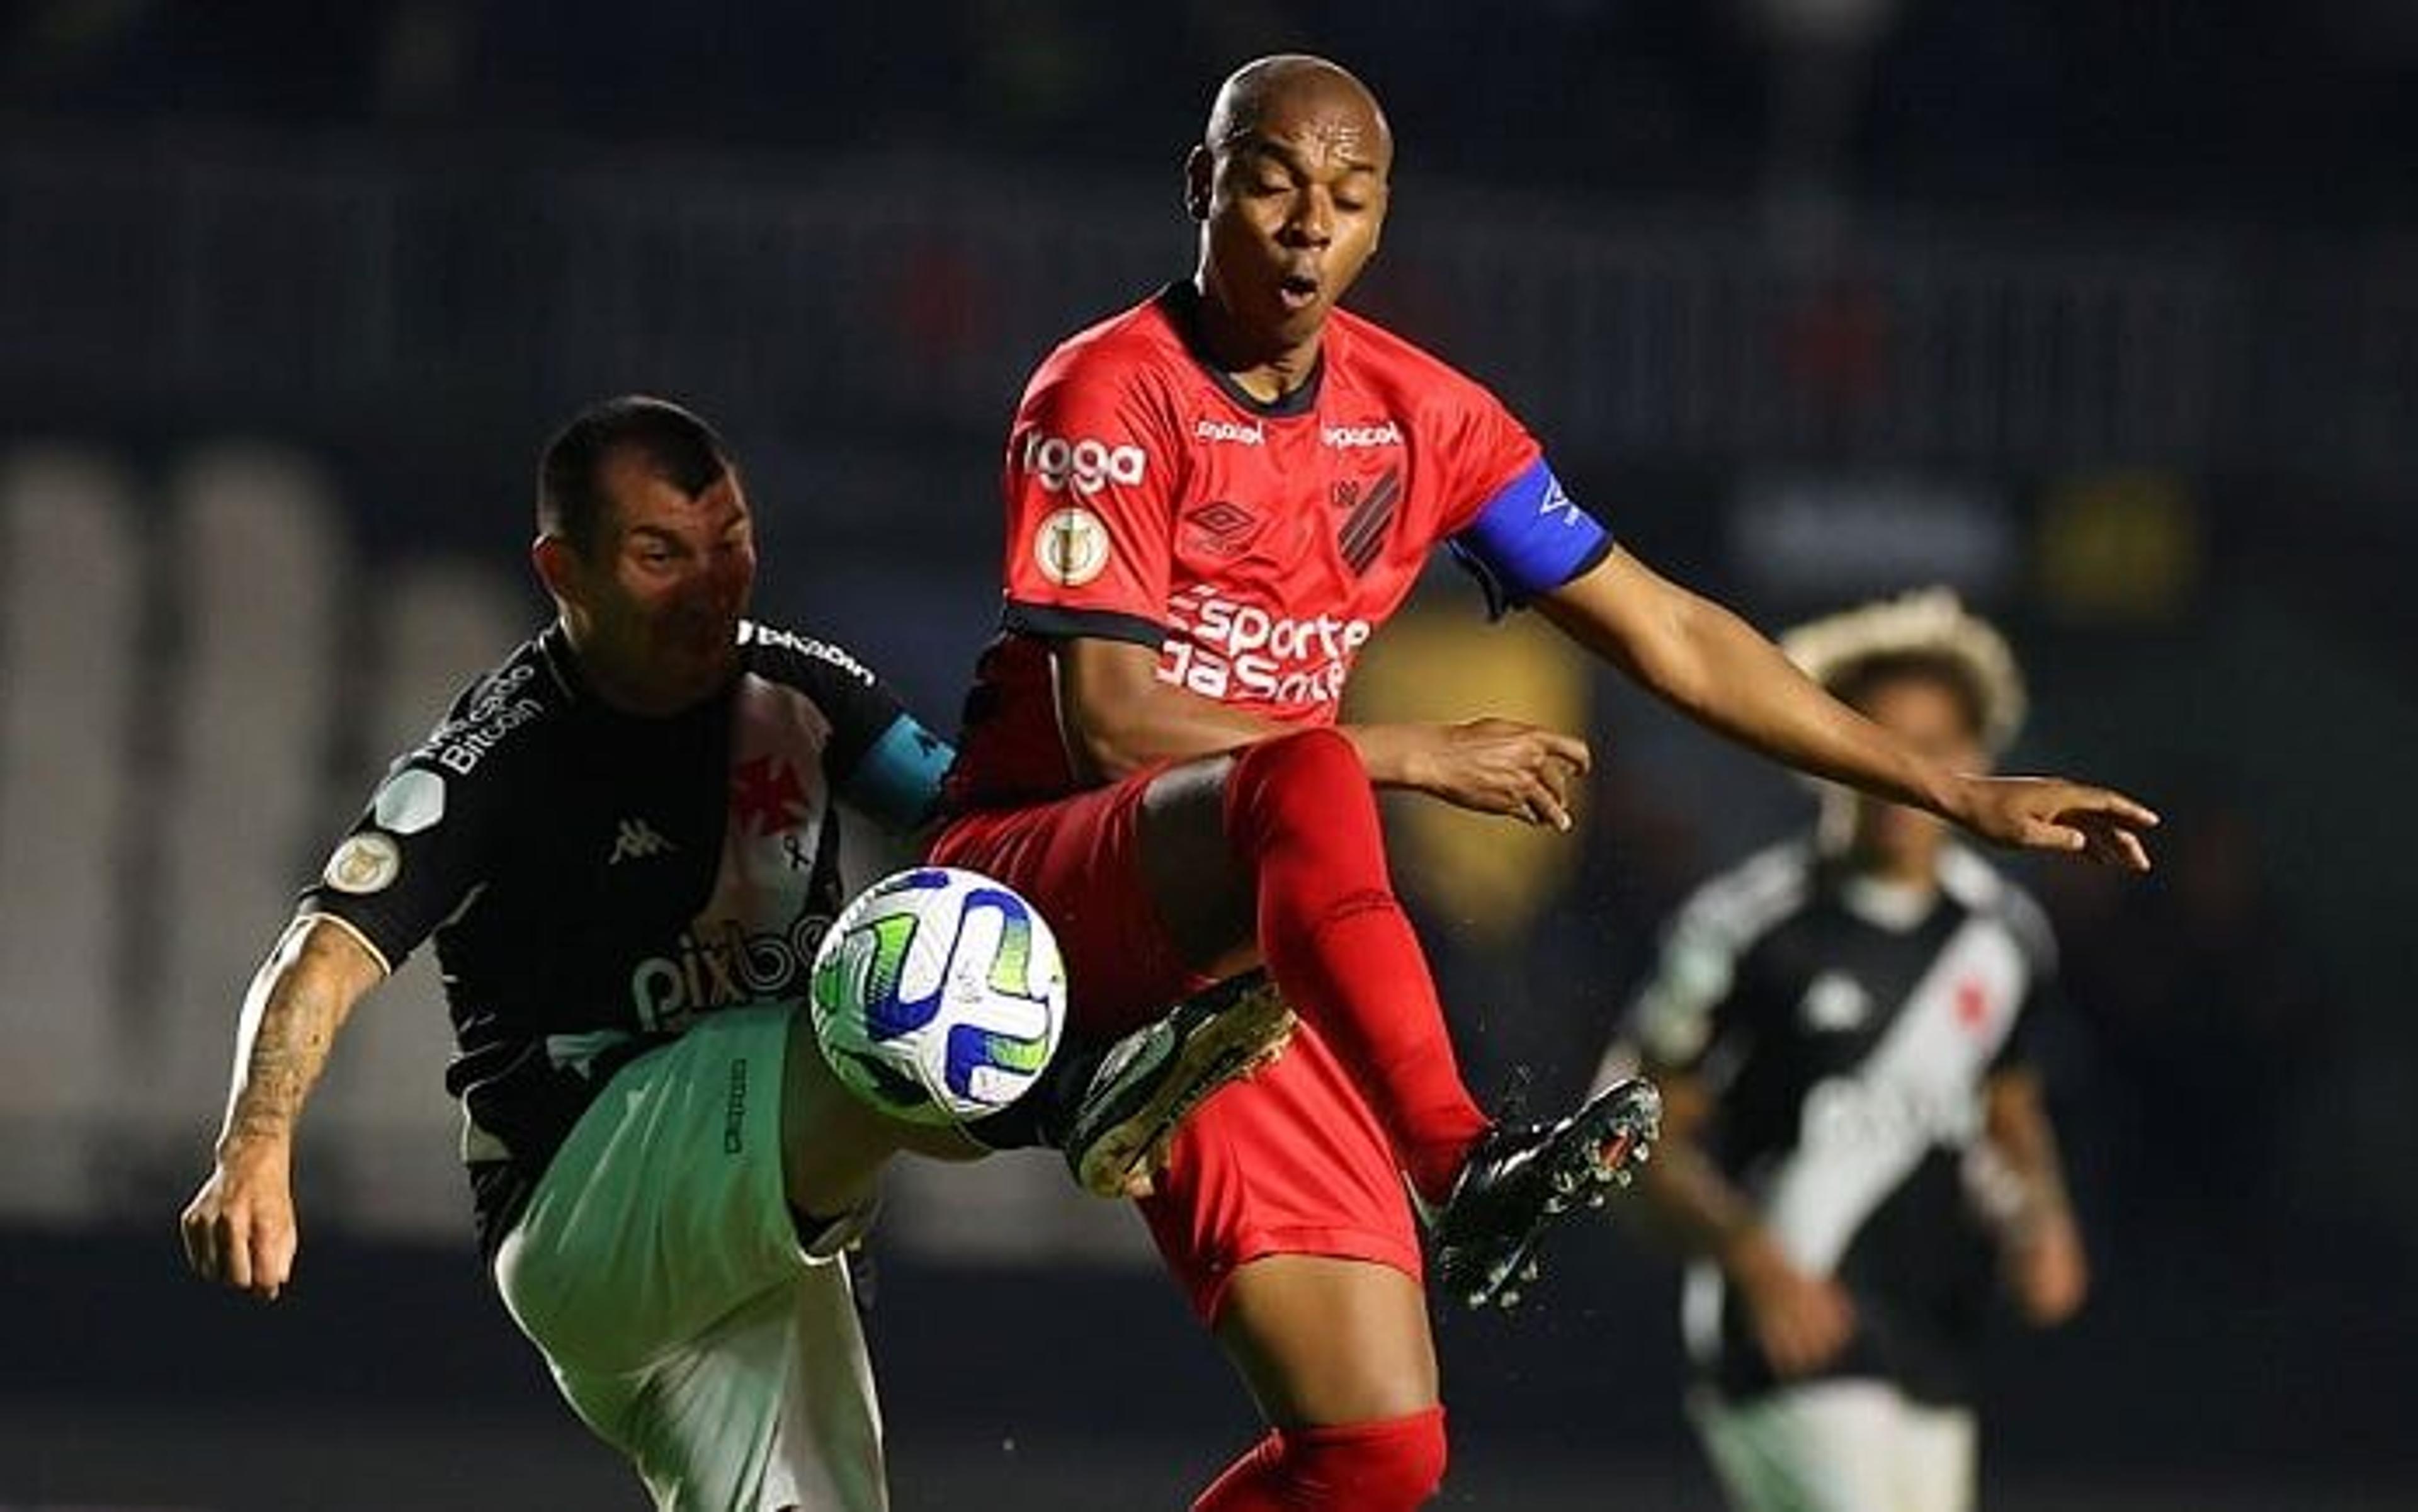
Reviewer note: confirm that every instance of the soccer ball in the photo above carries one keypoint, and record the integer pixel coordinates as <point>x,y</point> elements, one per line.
<point>939,995</point>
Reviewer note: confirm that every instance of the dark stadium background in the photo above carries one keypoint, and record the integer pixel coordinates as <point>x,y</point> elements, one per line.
<point>2106,313</point>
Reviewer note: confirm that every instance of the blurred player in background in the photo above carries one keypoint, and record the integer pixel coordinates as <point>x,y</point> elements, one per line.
<point>1213,499</point>
<point>1856,1142</point>
<point>624,842</point>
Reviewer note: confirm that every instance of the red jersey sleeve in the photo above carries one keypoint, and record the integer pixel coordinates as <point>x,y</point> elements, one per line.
<point>1487,445</point>
<point>1090,487</point>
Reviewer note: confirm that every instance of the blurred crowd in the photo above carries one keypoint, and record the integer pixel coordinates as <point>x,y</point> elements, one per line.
<point>2155,105</point>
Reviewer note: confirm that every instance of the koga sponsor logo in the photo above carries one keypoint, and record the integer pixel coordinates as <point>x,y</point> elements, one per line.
<point>724,966</point>
<point>1351,438</point>
<point>1235,432</point>
<point>1089,465</point>
<point>1226,650</point>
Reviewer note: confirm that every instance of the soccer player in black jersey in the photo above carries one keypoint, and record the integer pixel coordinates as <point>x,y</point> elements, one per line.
<point>1854,1139</point>
<point>624,842</point>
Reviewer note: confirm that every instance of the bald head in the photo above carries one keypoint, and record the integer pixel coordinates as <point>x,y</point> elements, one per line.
<point>1290,183</point>
<point>1294,87</point>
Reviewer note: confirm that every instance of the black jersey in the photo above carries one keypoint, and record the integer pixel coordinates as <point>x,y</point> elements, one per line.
<point>1846,1029</point>
<point>594,880</point>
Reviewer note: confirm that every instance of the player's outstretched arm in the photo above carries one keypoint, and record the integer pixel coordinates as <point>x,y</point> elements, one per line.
<point>1118,717</point>
<point>239,1228</point>
<point>1715,667</point>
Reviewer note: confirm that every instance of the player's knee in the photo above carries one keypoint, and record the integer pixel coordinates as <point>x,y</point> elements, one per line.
<point>1391,1465</point>
<point>1297,785</point>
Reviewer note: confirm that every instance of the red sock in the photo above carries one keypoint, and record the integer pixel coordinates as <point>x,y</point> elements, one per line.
<point>1300,811</point>
<point>1390,1466</point>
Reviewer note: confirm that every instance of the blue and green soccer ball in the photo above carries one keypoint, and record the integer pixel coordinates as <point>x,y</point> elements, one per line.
<point>939,995</point>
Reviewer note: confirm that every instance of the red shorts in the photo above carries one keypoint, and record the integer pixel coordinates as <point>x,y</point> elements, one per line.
<point>1291,1162</point>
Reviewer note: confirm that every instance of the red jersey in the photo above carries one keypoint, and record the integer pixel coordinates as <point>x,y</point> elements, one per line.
<point>1254,545</point>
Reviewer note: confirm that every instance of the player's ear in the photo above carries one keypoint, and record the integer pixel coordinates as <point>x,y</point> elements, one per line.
<point>1199,169</point>
<point>558,566</point>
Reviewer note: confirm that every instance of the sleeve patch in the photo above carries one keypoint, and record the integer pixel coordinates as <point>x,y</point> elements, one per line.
<point>1071,546</point>
<point>411,800</point>
<point>366,863</point>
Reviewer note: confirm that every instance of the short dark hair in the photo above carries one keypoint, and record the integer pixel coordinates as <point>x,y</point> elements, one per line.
<point>1855,683</point>
<point>676,443</point>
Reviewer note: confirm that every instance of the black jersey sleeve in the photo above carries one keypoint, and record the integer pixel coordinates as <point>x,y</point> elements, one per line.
<point>880,760</point>
<point>1701,991</point>
<point>431,832</point>
<point>418,850</point>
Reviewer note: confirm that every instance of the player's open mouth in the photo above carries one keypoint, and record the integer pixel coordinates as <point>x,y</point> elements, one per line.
<point>1298,291</point>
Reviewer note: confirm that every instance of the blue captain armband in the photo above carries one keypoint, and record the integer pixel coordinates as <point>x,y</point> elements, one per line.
<point>1529,540</point>
<point>897,780</point>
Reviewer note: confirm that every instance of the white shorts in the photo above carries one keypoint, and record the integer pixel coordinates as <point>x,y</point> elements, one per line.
<point>658,1270</point>
<point>1839,1446</point>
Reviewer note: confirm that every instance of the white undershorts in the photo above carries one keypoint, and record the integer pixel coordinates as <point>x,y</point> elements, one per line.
<point>658,1268</point>
<point>1839,1446</point>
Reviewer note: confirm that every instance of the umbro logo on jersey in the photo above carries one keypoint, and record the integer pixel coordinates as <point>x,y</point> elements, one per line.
<point>1557,502</point>
<point>636,840</point>
<point>1221,527</point>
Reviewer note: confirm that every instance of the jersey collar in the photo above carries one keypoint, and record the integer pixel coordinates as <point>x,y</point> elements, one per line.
<point>1181,301</point>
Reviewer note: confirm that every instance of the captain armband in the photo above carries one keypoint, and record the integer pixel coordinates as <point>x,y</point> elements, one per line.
<point>1529,540</point>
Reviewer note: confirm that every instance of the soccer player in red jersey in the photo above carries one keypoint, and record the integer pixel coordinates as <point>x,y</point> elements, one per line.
<point>1214,498</point>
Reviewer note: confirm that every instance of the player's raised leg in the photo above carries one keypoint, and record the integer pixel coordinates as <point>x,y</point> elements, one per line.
<point>1279,845</point>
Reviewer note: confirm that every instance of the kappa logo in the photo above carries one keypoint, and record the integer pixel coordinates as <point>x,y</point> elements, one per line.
<point>636,840</point>
<point>1836,1003</point>
<point>1088,464</point>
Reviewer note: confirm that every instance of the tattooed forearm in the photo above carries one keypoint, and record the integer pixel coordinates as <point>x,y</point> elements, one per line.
<point>298,1002</point>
